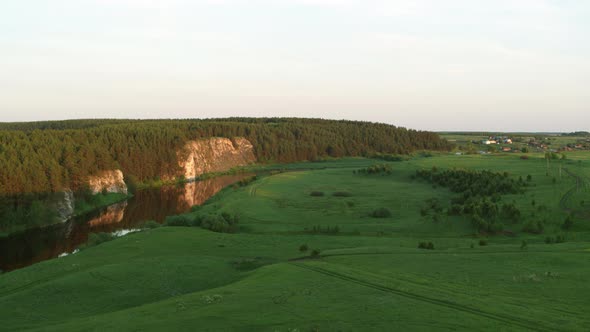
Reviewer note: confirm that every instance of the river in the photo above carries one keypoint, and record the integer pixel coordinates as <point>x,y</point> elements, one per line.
<point>39,244</point>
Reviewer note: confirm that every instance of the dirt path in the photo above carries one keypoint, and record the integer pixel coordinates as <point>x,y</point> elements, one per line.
<point>507,319</point>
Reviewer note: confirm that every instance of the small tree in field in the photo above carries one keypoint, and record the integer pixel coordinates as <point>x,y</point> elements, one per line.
<point>303,248</point>
<point>315,253</point>
<point>568,223</point>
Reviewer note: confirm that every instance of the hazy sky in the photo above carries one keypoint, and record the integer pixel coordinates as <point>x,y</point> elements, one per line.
<point>427,64</point>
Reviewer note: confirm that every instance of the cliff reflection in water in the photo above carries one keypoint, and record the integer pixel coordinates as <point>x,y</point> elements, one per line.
<point>36,245</point>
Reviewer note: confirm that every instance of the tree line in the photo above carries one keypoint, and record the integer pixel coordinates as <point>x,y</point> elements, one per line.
<point>42,157</point>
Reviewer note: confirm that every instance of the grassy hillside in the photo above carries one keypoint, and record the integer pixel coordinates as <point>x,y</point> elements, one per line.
<point>367,275</point>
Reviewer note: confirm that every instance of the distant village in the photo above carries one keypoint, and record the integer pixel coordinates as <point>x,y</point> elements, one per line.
<point>525,144</point>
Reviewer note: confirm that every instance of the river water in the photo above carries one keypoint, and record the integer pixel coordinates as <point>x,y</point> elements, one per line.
<point>39,244</point>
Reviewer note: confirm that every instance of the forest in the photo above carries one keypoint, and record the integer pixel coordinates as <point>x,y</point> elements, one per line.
<point>45,157</point>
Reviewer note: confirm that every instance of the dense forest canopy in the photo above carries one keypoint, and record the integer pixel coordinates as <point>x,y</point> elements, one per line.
<point>40,157</point>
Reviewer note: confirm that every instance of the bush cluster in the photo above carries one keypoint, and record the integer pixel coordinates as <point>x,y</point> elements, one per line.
<point>341,194</point>
<point>220,223</point>
<point>381,213</point>
<point>388,157</point>
<point>323,230</point>
<point>316,193</point>
<point>426,245</point>
<point>557,239</point>
<point>384,169</point>
<point>479,196</point>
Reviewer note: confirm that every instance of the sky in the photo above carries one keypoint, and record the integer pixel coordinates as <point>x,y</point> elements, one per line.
<point>501,65</point>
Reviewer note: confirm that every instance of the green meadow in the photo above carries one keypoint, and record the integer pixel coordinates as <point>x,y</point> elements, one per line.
<point>313,253</point>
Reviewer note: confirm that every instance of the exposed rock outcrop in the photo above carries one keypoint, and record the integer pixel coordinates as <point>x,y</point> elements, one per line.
<point>215,155</point>
<point>63,204</point>
<point>109,181</point>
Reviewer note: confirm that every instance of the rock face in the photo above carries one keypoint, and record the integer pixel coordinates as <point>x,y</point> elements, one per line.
<point>63,203</point>
<point>215,155</point>
<point>111,181</point>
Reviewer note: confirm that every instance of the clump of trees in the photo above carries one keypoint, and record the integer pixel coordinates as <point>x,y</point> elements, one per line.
<point>383,169</point>
<point>568,223</point>
<point>316,193</point>
<point>220,223</point>
<point>381,213</point>
<point>556,239</point>
<point>389,157</point>
<point>479,196</point>
<point>426,245</point>
<point>328,230</point>
<point>342,194</point>
<point>150,224</point>
<point>469,182</point>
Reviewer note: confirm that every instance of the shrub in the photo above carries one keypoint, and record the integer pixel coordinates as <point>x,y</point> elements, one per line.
<point>315,253</point>
<point>523,245</point>
<point>376,169</point>
<point>321,230</point>
<point>342,194</point>
<point>150,224</point>
<point>483,242</point>
<point>426,245</point>
<point>303,248</point>
<point>224,223</point>
<point>381,213</point>
<point>247,181</point>
<point>557,239</point>
<point>568,223</point>
<point>180,220</point>
<point>350,203</point>
<point>316,193</point>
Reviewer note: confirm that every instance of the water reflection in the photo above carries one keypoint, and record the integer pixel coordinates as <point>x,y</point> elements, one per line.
<point>36,245</point>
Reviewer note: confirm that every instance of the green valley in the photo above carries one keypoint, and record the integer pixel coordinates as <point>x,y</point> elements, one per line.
<point>308,262</point>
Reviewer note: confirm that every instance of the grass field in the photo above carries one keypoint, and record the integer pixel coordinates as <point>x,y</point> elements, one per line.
<point>370,275</point>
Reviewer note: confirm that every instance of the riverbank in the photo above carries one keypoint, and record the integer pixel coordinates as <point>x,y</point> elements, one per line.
<point>81,207</point>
